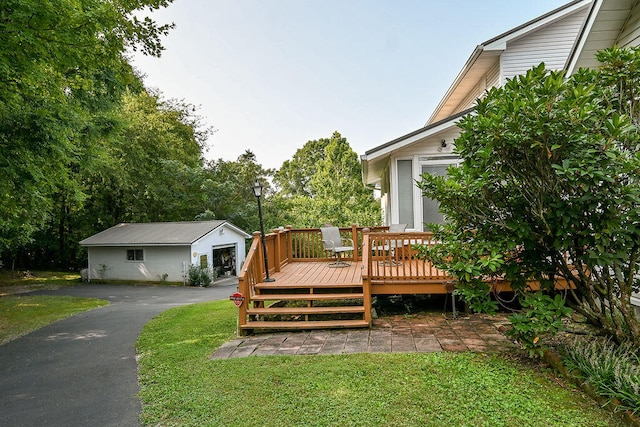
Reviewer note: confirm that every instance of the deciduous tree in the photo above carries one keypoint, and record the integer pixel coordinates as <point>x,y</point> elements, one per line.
<point>330,189</point>
<point>62,65</point>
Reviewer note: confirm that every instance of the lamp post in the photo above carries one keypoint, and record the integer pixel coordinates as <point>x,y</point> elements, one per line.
<point>257,191</point>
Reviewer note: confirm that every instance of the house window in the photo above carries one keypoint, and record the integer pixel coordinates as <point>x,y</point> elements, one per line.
<point>431,208</point>
<point>405,192</point>
<point>135,255</point>
<point>203,261</point>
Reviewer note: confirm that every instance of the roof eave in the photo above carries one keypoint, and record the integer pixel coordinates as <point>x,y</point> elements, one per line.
<point>397,143</point>
<point>498,44</point>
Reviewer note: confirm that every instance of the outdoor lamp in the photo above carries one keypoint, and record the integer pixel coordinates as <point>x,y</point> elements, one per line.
<point>257,191</point>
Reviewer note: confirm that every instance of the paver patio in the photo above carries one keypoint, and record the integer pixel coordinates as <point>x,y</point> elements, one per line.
<point>423,333</point>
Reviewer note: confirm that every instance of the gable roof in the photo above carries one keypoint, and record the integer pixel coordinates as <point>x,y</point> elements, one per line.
<point>606,26</point>
<point>374,161</point>
<point>486,54</point>
<point>447,113</point>
<point>157,233</point>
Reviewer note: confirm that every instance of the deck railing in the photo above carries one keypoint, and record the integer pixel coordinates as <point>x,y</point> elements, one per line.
<point>392,255</point>
<point>306,243</point>
<point>389,262</point>
<point>387,257</point>
<point>252,273</point>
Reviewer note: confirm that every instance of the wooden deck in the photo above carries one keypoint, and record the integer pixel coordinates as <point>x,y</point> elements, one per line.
<point>387,277</point>
<point>319,273</point>
<point>309,293</point>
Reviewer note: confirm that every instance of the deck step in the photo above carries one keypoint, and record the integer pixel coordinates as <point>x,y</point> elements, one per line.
<point>302,325</point>
<point>307,310</point>
<point>275,285</point>
<point>306,297</point>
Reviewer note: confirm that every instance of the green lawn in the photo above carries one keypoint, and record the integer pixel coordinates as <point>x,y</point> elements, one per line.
<point>180,386</point>
<point>21,281</point>
<point>20,315</point>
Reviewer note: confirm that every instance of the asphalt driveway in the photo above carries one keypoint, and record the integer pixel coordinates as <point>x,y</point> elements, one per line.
<point>82,371</point>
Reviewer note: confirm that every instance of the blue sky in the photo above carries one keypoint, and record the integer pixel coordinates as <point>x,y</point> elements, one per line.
<point>271,75</point>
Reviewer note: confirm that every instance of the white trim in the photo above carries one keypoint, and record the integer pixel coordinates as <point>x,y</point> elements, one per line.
<point>395,202</point>
<point>574,55</point>
<point>410,140</point>
<point>416,173</point>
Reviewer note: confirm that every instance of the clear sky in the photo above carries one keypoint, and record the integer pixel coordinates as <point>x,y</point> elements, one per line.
<point>271,75</point>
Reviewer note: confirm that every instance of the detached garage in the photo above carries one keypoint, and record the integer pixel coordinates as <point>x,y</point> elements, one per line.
<point>164,251</point>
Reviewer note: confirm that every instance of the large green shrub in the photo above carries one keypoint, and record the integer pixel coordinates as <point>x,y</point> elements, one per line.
<point>549,181</point>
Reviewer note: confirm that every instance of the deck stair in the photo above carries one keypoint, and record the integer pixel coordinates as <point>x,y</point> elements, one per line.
<point>289,306</point>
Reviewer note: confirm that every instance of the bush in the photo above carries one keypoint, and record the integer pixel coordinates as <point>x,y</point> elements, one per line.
<point>199,276</point>
<point>612,370</point>
<point>477,296</point>
<point>541,315</point>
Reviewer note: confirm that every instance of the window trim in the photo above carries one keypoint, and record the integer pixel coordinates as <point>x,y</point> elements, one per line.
<point>135,253</point>
<point>445,160</point>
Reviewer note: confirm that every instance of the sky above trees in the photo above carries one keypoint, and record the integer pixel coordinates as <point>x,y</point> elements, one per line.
<point>272,75</point>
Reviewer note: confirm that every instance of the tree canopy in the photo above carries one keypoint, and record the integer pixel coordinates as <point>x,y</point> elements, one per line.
<point>84,145</point>
<point>548,188</point>
<point>62,67</point>
<point>323,184</point>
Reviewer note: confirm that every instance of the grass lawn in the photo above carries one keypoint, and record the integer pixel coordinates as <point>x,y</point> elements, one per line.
<point>20,281</point>
<point>180,386</point>
<point>20,315</point>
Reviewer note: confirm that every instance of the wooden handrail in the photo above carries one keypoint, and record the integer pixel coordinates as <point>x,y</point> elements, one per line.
<point>251,273</point>
<point>366,282</point>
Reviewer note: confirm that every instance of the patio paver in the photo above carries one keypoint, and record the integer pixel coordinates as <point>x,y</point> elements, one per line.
<point>422,333</point>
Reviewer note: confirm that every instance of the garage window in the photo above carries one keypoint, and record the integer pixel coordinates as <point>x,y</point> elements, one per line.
<point>135,255</point>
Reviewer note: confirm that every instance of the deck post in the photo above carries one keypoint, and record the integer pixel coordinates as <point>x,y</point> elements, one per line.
<point>366,281</point>
<point>277,250</point>
<point>354,236</point>
<point>242,310</point>
<point>256,236</point>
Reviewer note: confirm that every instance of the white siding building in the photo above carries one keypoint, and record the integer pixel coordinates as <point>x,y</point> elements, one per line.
<point>164,251</point>
<point>395,166</point>
<point>566,38</point>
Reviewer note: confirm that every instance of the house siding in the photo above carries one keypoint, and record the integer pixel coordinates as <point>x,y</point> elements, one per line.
<point>157,262</point>
<point>551,45</point>
<point>630,35</point>
<point>471,98</point>
<point>493,76</point>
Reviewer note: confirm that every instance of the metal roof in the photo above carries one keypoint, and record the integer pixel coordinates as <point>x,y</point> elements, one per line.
<point>157,233</point>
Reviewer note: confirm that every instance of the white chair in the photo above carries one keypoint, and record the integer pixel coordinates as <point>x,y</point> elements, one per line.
<point>336,244</point>
<point>397,228</point>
